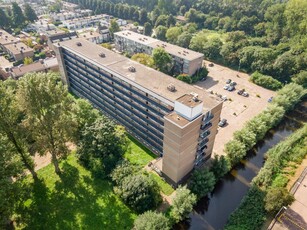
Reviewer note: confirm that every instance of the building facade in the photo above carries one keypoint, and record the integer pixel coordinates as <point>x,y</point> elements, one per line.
<point>155,108</point>
<point>185,61</point>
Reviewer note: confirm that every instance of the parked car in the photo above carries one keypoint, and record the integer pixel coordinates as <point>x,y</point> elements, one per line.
<point>241,91</point>
<point>222,123</point>
<point>233,83</point>
<point>228,81</point>
<point>231,88</point>
<point>224,98</point>
<point>245,94</point>
<point>226,87</point>
<point>211,64</point>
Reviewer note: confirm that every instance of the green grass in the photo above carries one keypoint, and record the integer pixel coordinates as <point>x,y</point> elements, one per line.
<point>74,201</point>
<point>164,186</point>
<point>138,154</point>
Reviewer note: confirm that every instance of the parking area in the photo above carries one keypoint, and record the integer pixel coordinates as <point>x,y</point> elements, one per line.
<point>237,109</point>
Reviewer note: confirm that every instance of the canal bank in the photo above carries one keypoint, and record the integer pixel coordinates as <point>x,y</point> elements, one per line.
<point>212,212</point>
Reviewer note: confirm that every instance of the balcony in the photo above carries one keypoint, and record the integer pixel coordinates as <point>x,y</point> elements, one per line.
<point>203,143</point>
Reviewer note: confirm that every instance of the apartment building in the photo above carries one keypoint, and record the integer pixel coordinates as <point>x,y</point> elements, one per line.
<point>184,60</point>
<point>175,120</point>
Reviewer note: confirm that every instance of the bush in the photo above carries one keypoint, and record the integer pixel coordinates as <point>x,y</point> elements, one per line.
<point>301,78</point>
<point>202,73</point>
<point>250,214</point>
<point>276,198</point>
<point>140,192</point>
<point>265,81</point>
<point>182,204</point>
<point>122,170</point>
<point>220,166</point>
<point>235,151</point>
<point>151,221</point>
<point>185,78</point>
<point>202,182</point>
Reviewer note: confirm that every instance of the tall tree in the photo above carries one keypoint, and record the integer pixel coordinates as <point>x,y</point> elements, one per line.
<point>47,106</point>
<point>30,13</point>
<point>151,220</point>
<point>10,167</point>
<point>202,182</point>
<point>162,59</point>
<point>4,19</point>
<point>147,29</point>
<point>11,126</point>
<point>143,16</point>
<point>114,27</point>
<point>18,18</point>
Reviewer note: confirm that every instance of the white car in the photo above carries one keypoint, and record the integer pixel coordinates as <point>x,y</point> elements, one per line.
<point>226,87</point>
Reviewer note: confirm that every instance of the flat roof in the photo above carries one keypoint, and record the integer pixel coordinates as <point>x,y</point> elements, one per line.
<point>177,119</point>
<point>7,38</point>
<point>89,34</point>
<point>155,43</point>
<point>145,77</point>
<point>16,48</point>
<point>189,100</point>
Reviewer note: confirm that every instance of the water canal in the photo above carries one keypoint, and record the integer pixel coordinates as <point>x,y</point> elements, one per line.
<point>211,213</point>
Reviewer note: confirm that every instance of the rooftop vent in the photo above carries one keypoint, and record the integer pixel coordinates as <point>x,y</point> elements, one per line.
<point>102,55</point>
<point>171,88</point>
<point>195,97</point>
<point>79,44</point>
<point>131,69</point>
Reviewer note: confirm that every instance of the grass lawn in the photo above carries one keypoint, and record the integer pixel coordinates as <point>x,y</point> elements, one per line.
<point>164,186</point>
<point>74,201</point>
<point>137,153</point>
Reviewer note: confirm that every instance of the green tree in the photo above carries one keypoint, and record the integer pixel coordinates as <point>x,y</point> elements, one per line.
<point>235,151</point>
<point>147,29</point>
<point>48,110</point>
<point>202,182</point>
<point>182,204</point>
<point>18,19</point>
<point>198,42</point>
<point>212,48</point>
<point>296,17</point>
<point>265,81</point>
<point>151,221</point>
<point>10,167</point>
<point>4,19</point>
<point>143,16</point>
<point>139,192</point>
<point>301,78</point>
<point>162,59</point>
<point>173,33</point>
<point>184,39</point>
<point>114,27</point>
<point>185,78</point>
<point>144,59</point>
<point>220,166</point>
<point>11,126</point>
<point>161,21</point>
<point>122,170</point>
<point>30,13</point>
<point>276,198</point>
<point>160,32</point>
<point>101,146</point>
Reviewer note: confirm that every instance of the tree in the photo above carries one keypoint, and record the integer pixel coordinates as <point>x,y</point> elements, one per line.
<point>276,198</point>
<point>143,16</point>
<point>147,29</point>
<point>101,146</point>
<point>173,33</point>
<point>122,170</point>
<point>182,204</point>
<point>265,81</point>
<point>202,182</point>
<point>27,61</point>
<point>114,27</point>
<point>184,39</point>
<point>220,166</point>
<point>212,48</point>
<point>151,221</point>
<point>48,110</point>
<point>185,78</point>
<point>296,17</point>
<point>198,42</point>
<point>301,78</point>
<point>139,192</point>
<point>162,60</point>
<point>4,19</point>
<point>144,59</point>
<point>161,20</point>
<point>171,21</point>
<point>18,19</point>
<point>12,127</point>
<point>235,151</point>
<point>30,13</point>
<point>160,32</point>
<point>10,167</point>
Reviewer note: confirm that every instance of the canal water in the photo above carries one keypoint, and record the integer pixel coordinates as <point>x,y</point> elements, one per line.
<point>212,212</point>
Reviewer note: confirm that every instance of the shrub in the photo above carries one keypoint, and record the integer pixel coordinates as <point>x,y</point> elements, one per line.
<point>265,81</point>
<point>185,78</point>
<point>301,78</point>
<point>235,151</point>
<point>122,170</point>
<point>276,198</point>
<point>182,204</point>
<point>202,182</point>
<point>151,221</point>
<point>140,192</point>
<point>220,166</point>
